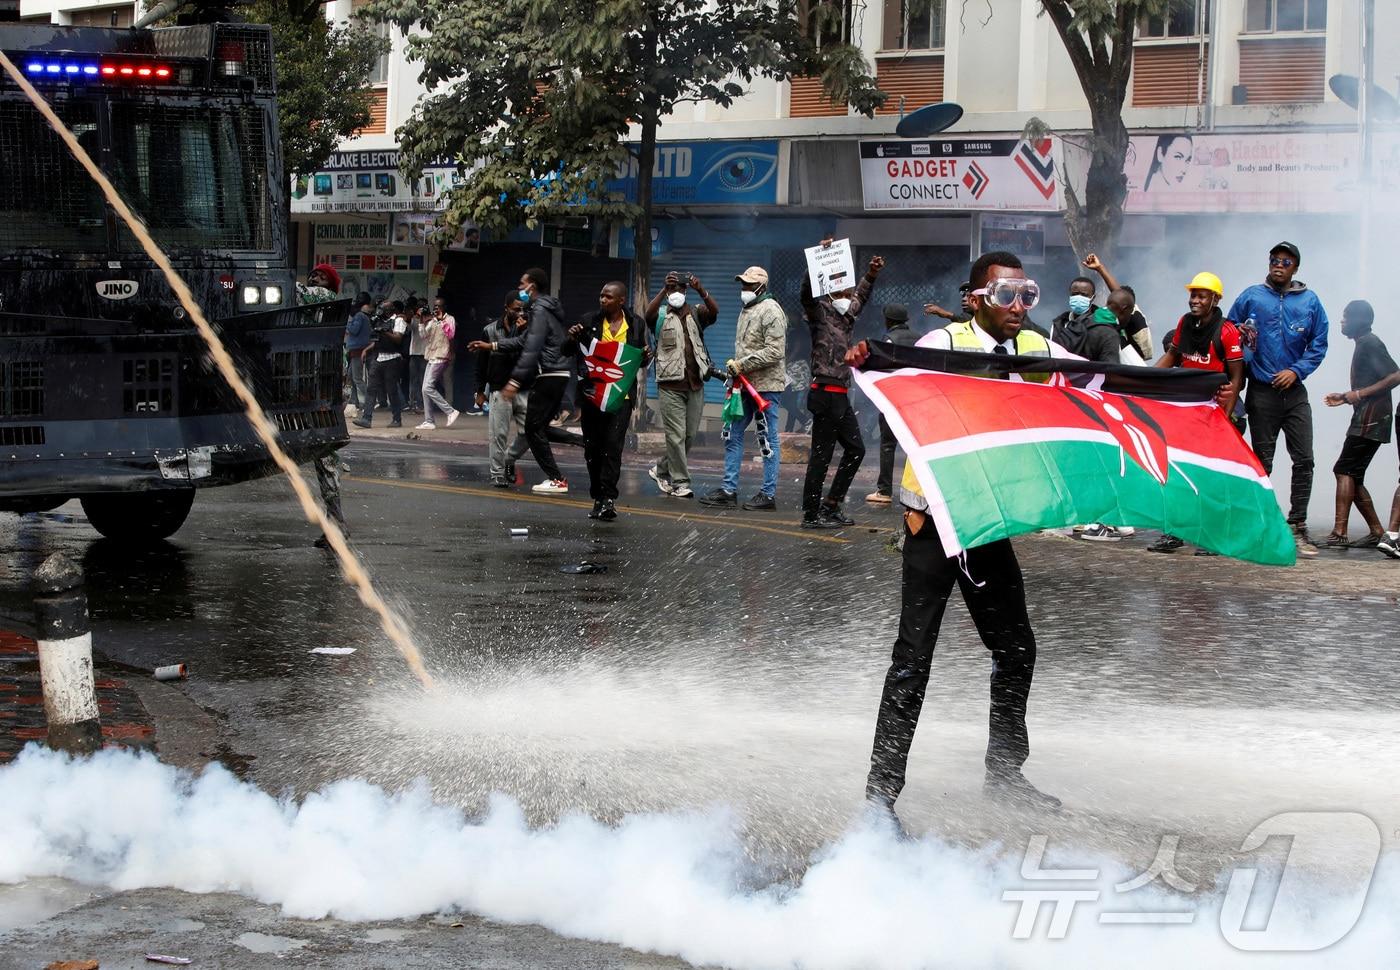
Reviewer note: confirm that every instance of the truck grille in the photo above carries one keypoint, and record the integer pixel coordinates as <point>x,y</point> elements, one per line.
<point>148,385</point>
<point>304,420</point>
<point>306,376</point>
<point>31,435</point>
<point>21,389</point>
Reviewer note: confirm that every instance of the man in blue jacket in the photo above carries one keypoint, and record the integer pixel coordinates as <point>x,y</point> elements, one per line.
<point>1292,340</point>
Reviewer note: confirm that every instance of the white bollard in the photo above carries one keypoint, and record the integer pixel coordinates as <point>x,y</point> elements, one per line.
<point>65,656</point>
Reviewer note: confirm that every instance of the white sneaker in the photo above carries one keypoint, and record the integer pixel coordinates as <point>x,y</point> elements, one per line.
<point>681,491</point>
<point>426,426</point>
<point>556,487</point>
<point>878,498</point>
<point>661,483</point>
<point>1126,530</point>
<point>1100,533</point>
<point>452,418</point>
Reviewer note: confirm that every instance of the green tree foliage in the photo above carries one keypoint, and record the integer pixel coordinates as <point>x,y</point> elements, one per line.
<point>539,98</point>
<point>323,71</point>
<point>1098,36</point>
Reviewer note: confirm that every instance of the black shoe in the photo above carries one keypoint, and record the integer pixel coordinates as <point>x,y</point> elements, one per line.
<point>608,513</point>
<point>500,482</point>
<point>761,503</point>
<point>322,543</point>
<point>880,811</point>
<point>719,499</point>
<point>597,511</point>
<point>1168,543</point>
<point>396,423</point>
<point>360,423</point>
<point>510,472</point>
<point>1206,552</point>
<point>1013,789</point>
<point>810,521</point>
<point>833,515</point>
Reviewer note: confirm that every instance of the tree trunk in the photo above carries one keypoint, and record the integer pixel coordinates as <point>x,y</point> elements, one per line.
<point>641,255</point>
<point>1094,223</point>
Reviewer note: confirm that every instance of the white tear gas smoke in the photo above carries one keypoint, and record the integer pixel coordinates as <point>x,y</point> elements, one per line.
<point>676,883</point>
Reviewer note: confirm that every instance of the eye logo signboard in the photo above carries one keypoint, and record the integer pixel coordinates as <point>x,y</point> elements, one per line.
<point>708,173</point>
<point>962,174</point>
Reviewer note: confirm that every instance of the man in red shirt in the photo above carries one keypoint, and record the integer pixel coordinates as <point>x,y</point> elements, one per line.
<point>1205,340</point>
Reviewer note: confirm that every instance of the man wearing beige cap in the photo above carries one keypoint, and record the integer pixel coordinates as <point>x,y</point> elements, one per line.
<point>759,346</point>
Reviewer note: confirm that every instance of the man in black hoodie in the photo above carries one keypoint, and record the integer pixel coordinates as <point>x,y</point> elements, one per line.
<point>898,332</point>
<point>605,432</point>
<point>543,370</point>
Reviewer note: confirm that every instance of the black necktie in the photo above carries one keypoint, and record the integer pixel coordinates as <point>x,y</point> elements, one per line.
<point>1001,351</point>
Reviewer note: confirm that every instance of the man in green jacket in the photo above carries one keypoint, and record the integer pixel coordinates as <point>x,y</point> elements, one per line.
<point>760,343</point>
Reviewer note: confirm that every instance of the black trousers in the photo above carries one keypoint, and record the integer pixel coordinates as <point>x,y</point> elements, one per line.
<point>885,483</point>
<point>833,420</point>
<point>384,379</point>
<point>996,600</point>
<point>604,435</point>
<point>1271,411</point>
<point>545,396</point>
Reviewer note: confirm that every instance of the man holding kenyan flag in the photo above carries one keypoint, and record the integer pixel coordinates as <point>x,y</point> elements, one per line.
<point>611,346</point>
<point>1008,433</point>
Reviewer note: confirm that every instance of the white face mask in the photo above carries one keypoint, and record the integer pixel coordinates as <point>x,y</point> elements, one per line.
<point>747,296</point>
<point>675,300</point>
<point>842,305</point>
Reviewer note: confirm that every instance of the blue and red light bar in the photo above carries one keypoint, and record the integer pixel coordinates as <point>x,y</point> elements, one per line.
<point>87,68</point>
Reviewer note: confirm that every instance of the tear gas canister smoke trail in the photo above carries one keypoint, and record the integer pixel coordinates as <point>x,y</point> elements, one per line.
<point>351,568</point>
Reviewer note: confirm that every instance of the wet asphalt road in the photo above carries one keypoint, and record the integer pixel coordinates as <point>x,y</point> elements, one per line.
<point>733,657</point>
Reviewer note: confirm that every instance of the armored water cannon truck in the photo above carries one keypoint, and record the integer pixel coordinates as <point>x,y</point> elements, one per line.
<point>106,391</point>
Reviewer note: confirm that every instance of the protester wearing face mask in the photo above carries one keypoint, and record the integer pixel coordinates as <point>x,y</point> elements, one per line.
<point>760,339</point>
<point>543,369</point>
<point>682,363</point>
<point>832,320</point>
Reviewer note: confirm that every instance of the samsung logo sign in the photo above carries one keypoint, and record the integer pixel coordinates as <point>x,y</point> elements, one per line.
<point>117,289</point>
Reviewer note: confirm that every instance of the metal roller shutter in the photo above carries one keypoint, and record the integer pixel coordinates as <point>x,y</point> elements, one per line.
<point>918,80</point>
<point>1165,75</point>
<point>806,100</point>
<point>716,268</point>
<point>1284,71</point>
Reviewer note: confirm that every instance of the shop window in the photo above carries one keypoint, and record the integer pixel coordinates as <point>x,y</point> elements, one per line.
<point>1188,19</point>
<point>1273,16</point>
<point>914,25</point>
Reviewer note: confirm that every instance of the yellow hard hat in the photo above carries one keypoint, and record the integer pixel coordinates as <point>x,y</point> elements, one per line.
<point>1207,281</point>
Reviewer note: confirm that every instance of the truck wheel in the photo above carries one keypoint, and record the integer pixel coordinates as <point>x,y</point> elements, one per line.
<point>141,517</point>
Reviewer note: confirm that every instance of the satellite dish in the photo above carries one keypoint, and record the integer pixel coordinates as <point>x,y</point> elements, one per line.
<point>1383,105</point>
<point>929,120</point>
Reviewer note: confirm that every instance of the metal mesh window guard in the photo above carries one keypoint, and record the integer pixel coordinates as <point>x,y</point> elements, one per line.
<point>196,175</point>
<point>46,200</point>
<point>21,389</point>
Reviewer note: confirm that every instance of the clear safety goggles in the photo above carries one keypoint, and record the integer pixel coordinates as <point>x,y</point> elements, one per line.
<point>1005,293</point>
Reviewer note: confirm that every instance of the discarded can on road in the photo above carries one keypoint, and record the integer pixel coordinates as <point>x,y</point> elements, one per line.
<point>172,672</point>
<point>162,958</point>
<point>519,533</point>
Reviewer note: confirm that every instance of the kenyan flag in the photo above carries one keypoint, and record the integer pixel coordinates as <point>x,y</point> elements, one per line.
<point>998,458</point>
<point>612,370</point>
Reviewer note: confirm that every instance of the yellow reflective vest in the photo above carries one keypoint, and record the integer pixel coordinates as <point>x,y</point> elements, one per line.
<point>1028,344</point>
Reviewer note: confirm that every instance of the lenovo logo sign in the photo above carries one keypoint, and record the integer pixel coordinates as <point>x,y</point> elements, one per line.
<point>117,289</point>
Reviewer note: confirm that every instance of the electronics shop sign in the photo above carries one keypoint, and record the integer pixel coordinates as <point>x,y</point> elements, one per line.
<point>968,174</point>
